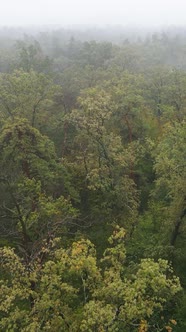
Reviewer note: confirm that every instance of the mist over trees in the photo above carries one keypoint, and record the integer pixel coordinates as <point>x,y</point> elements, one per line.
<point>93,179</point>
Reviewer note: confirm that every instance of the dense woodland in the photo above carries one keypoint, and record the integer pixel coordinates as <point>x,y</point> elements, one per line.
<point>93,181</point>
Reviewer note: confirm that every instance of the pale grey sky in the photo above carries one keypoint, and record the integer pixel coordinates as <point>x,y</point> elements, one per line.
<point>102,12</point>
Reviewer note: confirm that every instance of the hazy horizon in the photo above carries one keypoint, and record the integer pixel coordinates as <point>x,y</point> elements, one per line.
<point>81,12</point>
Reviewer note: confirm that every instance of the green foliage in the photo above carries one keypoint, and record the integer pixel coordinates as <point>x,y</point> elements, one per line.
<point>25,151</point>
<point>49,295</point>
<point>102,163</point>
<point>27,95</point>
<point>170,167</point>
<point>115,114</point>
<point>31,200</point>
<point>31,57</point>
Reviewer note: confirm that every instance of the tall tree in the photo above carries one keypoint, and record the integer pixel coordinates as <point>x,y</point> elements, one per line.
<point>100,162</point>
<point>33,208</point>
<point>72,292</point>
<point>27,95</point>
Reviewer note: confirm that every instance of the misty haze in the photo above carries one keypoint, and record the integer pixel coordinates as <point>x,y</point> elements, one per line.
<point>92,166</point>
<point>101,12</point>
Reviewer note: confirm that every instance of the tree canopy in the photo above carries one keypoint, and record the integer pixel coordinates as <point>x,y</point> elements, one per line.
<point>92,178</point>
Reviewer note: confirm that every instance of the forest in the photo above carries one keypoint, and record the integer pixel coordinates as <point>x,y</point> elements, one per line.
<point>92,181</point>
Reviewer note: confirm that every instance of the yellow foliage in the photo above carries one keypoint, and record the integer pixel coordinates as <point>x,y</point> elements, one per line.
<point>173,321</point>
<point>143,326</point>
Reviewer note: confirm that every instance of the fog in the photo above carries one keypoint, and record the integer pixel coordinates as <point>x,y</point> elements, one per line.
<point>92,12</point>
